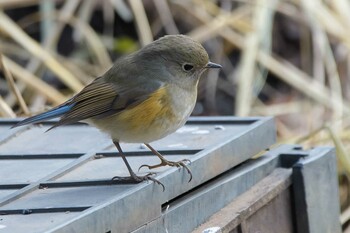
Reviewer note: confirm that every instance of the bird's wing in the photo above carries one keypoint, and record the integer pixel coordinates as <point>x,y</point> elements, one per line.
<point>101,99</point>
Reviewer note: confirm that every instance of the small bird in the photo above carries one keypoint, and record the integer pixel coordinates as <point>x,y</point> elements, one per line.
<point>143,97</point>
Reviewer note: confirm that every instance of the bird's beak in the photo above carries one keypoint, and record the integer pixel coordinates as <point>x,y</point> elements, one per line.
<point>213,65</point>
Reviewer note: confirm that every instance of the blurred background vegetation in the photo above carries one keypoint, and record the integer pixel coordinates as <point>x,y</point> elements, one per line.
<point>286,58</point>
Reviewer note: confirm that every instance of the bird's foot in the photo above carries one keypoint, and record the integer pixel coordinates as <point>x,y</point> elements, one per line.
<point>164,162</point>
<point>138,179</point>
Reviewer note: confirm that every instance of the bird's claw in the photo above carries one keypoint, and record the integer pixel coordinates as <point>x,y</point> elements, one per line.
<point>171,164</point>
<point>144,165</point>
<point>186,161</point>
<point>139,179</point>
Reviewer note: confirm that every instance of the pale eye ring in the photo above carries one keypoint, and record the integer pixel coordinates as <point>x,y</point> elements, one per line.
<point>187,67</point>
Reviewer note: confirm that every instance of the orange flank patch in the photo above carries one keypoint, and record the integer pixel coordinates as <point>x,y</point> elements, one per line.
<point>150,111</point>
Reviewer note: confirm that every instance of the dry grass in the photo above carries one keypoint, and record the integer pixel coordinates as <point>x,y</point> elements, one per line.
<point>309,93</point>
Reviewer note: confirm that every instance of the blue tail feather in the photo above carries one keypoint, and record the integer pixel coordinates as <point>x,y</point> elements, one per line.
<point>56,112</point>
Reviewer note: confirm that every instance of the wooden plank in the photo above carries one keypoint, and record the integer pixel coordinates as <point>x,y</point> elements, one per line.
<point>275,217</point>
<point>231,216</point>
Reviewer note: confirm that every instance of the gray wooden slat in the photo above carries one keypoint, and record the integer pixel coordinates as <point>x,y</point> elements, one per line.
<point>53,175</point>
<point>67,197</point>
<point>205,165</point>
<point>214,146</point>
<point>188,212</point>
<point>70,139</point>
<point>6,192</point>
<point>316,192</point>
<point>28,171</point>
<point>33,222</point>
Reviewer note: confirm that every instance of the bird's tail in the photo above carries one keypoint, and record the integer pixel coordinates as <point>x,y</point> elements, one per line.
<point>53,113</point>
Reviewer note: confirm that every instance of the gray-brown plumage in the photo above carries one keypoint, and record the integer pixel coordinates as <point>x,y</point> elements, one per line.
<point>143,97</point>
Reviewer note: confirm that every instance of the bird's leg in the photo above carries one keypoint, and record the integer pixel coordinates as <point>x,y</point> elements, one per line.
<point>133,176</point>
<point>165,162</point>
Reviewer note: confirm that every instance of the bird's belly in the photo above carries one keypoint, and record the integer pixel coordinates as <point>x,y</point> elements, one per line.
<point>149,121</point>
<point>145,132</point>
<point>140,128</point>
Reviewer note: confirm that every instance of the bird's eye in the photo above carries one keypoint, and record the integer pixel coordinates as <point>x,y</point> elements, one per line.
<point>187,67</point>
